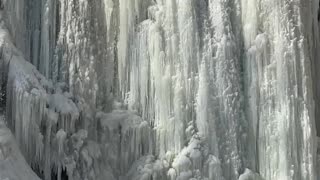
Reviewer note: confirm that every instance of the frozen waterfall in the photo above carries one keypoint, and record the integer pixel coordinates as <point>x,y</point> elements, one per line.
<point>161,89</point>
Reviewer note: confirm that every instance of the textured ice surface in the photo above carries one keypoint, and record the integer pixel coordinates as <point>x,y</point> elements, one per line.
<point>165,89</point>
<point>13,166</point>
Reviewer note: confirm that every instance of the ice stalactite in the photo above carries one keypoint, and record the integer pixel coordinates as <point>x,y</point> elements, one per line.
<point>202,102</point>
<point>36,34</point>
<point>60,140</point>
<point>225,71</point>
<point>177,68</point>
<point>174,77</point>
<point>165,79</point>
<point>47,37</point>
<point>28,116</point>
<point>25,112</point>
<point>51,120</point>
<point>279,77</point>
<point>133,12</point>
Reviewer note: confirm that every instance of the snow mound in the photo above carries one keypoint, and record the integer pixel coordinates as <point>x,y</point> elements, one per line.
<point>13,166</point>
<point>120,118</point>
<point>250,175</point>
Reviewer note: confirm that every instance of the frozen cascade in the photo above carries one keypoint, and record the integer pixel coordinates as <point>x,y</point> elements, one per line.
<point>164,89</point>
<point>64,48</point>
<point>51,134</point>
<point>174,100</point>
<point>34,130</point>
<point>278,66</point>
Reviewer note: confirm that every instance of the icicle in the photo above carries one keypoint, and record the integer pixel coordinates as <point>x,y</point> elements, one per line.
<point>61,137</point>
<point>202,102</point>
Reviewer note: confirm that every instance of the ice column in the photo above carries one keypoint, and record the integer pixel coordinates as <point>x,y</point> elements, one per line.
<point>279,86</point>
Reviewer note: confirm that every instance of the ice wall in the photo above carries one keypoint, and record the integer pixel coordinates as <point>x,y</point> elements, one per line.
<point>54,135</point>
<point>69,41</point>
<point>58,134</point>
<point>191,68</point>
<point>239,72</point>
<point>84,55</point>
<point>278,58</point>
<point>212,87</point>
<point>30,112</point>
<point>33,28</point>
<point>12,162</point>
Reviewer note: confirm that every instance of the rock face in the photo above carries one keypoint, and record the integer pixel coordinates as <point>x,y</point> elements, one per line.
<point>164,89</point>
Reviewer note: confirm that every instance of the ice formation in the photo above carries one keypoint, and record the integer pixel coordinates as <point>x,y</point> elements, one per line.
<point>11,159</point>
<point>163,89</point>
